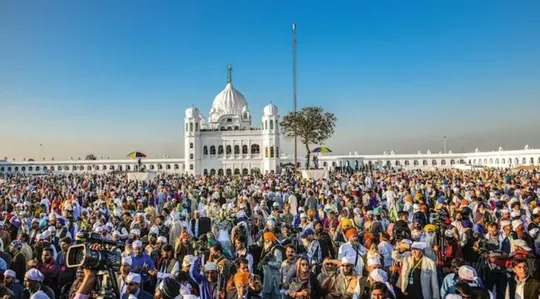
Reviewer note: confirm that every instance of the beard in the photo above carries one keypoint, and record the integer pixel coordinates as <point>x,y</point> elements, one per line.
<point>267,245</point>
<point>430,239</point>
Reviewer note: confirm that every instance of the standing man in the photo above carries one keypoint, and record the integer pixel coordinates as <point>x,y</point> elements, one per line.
<point>271,262</point>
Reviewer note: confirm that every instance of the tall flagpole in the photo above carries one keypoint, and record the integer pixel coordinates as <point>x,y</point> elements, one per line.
<point>294,97</point>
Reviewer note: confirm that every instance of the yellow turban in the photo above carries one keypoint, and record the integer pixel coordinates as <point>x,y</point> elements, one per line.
<point>345,223</point>
<point>430,227</point>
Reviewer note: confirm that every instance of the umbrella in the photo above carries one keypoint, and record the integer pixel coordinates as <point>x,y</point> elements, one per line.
<point>136,155</point>
<point>322,149</point>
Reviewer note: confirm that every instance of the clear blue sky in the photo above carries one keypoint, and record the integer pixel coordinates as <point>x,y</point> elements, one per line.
<point>106,77</point>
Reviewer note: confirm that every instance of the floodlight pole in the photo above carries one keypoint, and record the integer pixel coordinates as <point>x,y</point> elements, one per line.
<point>294,98</point>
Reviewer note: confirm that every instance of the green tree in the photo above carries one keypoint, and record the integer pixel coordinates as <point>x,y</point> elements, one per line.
<point>311,125</point>
<point>90,157</point>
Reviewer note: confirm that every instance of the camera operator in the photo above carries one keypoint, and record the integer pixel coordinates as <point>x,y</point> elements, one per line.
<point>167,289</point>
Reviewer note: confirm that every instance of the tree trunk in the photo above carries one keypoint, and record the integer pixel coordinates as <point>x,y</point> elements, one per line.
<point>308,156</point>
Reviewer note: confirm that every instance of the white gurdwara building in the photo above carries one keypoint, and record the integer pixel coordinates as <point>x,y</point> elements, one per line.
<point>225,142</point>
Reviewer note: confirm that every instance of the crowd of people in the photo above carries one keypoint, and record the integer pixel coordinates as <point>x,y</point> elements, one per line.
<point>368,234</point>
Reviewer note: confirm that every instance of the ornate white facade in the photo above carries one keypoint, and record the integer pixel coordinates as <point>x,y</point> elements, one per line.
<point>226,143</point>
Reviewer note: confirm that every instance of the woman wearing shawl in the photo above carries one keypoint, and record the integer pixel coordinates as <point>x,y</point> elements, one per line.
<point>305,285</point>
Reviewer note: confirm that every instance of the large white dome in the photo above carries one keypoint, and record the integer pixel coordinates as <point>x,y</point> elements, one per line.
<point>229,101</point>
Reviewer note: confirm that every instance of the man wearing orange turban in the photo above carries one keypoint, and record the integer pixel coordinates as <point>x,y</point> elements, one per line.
<point>269,236</point>
<point>271,260</point>
<point>353,250</point>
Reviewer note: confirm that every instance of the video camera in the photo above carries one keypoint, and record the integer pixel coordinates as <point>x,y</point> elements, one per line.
<point>82,255</point>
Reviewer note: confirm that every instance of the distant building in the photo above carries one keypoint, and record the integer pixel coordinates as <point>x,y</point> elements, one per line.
<point>226,143</point>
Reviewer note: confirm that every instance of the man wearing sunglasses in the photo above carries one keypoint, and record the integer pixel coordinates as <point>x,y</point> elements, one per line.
<point>346,281</point>
<point>133,285</point>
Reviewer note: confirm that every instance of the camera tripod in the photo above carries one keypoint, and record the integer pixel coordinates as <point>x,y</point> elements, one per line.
<point>106,285</point>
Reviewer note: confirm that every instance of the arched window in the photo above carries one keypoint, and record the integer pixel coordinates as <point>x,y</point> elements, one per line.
<point>168,166</point>
<point>452,162</point>
<point>190,166</point>
<point>266,152</point>
<point>398,163</point>
<point>425,163</point>
<point>244,149</point>
<point>237,149</point>
<point>220,150</point>
<point>81,168</point>
<point>191,127</point>
<point>16,168</point>
<point>276,124</point>
<point>176,166</point>
<point>237,171</point>
<point>434,162</point>
<point>497,161</point>
<point>228,150</point>
<point>220,172</point>
<point>443,162</point>
<point>23,168</point>
<point>212,171</point>
<point>334,164</point>
<point>205,171</point>
<point>120,168</point>
<point>524,161</point>
<point>271,152</point>
<point>228,172</point>
<point>255,149</point>
<point>485,161</point>
<point>205,150</point>
<point>128,167</point>
<point>407,162</point>
<point>30,168</point>
<point>490,161</point>
<point>271,125</point>
<point>2,169</point>
<point>160,166</point>
<point>9,169</point>
<point>44,168</point>
<point>389,163</point>
<point>532,160</point>
<point>111,167</point>
<point>415,162</point>
<point>245,171</point>
<point>152,167</point>
<point>325,164</point>
<point>266,125</point>
<point>212,150</point>
<point>474,162</point>
<point>104,167</point>
<point>503,161</point>
<point>516,161</point>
